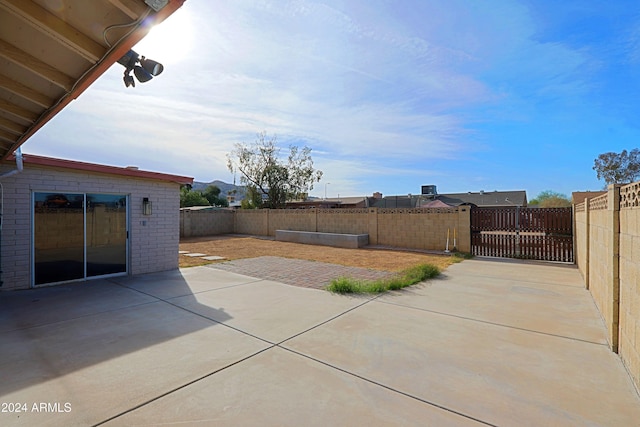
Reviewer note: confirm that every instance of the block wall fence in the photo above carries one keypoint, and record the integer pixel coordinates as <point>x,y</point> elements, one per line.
<point>404,228</point>
<point>607,244</point>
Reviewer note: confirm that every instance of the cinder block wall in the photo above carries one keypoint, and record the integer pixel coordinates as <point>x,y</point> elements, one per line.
<point>154,239</point>
<point>608,256</point>
<point>629,339</point>
<point>291,219</point>
<point>252,221</point>
<point>424,228</point>
<point>580,247</point>
<point>345,221</point>
<point>405,228</point>
<point>601,268</point>
<point>206,222</point>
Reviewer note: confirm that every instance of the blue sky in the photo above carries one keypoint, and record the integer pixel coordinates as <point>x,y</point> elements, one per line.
<point>390,95</point>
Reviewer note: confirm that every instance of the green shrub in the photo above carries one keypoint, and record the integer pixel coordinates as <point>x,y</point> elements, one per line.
<point>411,276</point>
<point>344,285</point>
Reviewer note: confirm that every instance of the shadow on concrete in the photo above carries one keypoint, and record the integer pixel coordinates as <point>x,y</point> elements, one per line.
<point>50,332</point>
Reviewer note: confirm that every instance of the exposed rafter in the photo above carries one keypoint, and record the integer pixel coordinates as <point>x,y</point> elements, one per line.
<point>17,111</point>
<point>55,28</point>
<point>7,136</point>
<point>24,91</point>
<point>11,126</point>
<point>52,51</point>
<point>131,8</point>
<point>33,64</point>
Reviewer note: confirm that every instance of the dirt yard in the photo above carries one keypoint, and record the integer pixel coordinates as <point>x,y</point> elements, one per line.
<point>236,247</point>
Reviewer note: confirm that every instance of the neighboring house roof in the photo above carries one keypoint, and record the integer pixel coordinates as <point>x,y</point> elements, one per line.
<point>52,51</point>
<point>578,197</point>
<point>480,199</point>
<point>30,159</point>
<point>486,199</point>
<point>435,204</point>
<point>394,202</point>
<point>345,200</point>
<point>198,208</point>
<point>332,202</point>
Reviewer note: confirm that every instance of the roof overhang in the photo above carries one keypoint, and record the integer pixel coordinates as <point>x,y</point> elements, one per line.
<point>52,51</point>
<point>130,171</point>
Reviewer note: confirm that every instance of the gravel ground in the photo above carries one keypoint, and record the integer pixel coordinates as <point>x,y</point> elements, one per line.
<point>233,247</point>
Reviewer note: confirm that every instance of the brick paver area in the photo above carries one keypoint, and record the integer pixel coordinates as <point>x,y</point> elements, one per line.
<point>297,272</point>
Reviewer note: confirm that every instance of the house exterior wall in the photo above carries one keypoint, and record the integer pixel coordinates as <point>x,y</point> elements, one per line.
<point>404,228</point>
<point>153,239</point>
<point>608,247</point>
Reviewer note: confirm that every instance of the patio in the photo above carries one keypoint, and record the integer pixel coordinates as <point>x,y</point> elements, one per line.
<point>488,343</point>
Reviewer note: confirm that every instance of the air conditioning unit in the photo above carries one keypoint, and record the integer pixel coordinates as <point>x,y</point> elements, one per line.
<point>429,190</point>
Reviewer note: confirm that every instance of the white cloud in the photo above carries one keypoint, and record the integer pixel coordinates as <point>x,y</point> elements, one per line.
<point>377,88</point>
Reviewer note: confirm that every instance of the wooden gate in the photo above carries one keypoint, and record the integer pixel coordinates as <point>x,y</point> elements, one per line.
<point>527,233</point>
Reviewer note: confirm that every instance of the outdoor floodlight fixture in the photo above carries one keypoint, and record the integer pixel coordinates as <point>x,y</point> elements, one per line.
<point>143,72</point>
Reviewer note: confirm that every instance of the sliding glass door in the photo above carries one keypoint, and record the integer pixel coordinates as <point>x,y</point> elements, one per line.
<point>78,236</point>
<point>58,220</point>
<point>106,239</point>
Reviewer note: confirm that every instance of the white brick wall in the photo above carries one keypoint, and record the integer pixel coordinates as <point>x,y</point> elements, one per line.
<point>153,240</point>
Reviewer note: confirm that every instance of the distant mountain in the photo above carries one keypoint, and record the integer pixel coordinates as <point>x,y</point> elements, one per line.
<point>224,187</point>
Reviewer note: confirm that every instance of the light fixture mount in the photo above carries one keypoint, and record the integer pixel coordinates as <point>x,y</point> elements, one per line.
<point>156,5</point>
<point>144,72</point>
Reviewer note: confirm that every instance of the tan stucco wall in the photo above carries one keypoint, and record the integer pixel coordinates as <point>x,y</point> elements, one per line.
<point>153,240</point>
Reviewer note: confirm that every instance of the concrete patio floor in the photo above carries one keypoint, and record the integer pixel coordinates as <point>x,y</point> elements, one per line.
<point>487,343</point>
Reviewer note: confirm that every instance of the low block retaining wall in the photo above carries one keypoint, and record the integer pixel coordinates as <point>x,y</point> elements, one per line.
<point>352,241</point>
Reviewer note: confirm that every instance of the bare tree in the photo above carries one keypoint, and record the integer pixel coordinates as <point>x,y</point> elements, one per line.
<point>265,173</point>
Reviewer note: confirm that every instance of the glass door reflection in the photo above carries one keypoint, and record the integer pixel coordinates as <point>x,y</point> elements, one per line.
<point>58,237</point>
<point>106,234</point>
<point>77,236</point>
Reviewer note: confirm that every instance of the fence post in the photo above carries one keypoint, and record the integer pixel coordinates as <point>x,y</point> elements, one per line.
<point>614,208</point>
<point>587,246</point>
<point>464,229</point>
<point>517,242</point>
